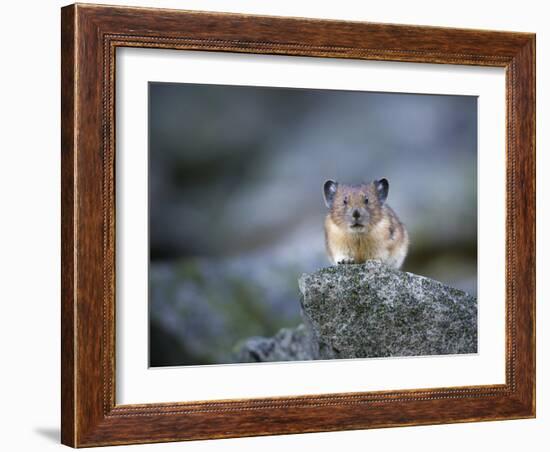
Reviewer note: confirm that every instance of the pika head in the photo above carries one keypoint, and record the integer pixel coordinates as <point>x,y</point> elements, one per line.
<point>355,207</point>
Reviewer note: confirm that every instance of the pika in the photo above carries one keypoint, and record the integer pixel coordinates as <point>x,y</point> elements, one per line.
<point>361,226</point>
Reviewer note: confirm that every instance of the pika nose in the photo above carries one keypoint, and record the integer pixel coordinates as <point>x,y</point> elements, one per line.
<point>356,214</point>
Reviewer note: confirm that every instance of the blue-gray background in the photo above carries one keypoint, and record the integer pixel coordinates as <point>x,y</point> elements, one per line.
<point>236,208</point>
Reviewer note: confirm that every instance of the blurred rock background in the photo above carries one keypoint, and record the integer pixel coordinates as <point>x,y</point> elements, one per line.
<point>236,209</point>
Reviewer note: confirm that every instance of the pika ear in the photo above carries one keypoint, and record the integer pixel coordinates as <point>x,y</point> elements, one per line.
<point>382,187</point>
<point>329,190</point>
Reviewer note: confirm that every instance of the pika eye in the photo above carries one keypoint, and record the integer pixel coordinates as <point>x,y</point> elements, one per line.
<point>366,201</point>
<point>345,201</point>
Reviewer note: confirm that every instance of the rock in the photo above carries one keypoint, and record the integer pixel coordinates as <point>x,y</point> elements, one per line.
<point>371,310</point>
<point>287,345</point>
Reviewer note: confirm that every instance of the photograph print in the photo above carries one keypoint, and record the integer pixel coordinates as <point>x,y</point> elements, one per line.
<point>292,224</point>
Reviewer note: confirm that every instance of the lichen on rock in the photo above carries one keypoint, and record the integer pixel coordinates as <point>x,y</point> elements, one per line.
<point>371,310</point>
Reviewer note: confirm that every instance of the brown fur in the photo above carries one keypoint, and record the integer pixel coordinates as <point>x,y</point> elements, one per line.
<point>378,233</point>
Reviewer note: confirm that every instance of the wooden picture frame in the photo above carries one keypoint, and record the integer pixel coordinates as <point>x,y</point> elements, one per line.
<point>90,36</point>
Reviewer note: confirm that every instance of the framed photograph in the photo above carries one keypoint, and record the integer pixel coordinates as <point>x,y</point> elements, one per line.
<point>281,225</point>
